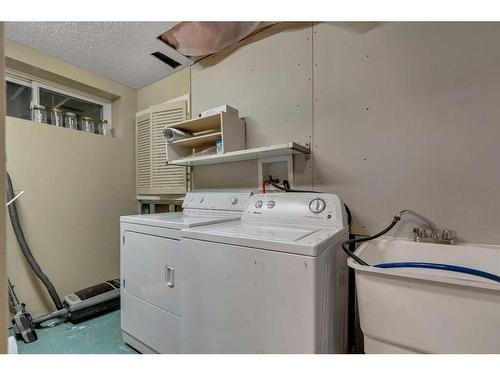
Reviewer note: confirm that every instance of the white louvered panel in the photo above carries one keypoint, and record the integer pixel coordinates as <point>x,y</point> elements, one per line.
<point>143,154</point>
<point>166,179</point>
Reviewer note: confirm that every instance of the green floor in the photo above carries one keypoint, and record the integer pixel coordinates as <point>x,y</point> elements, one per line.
<point>94,336</point>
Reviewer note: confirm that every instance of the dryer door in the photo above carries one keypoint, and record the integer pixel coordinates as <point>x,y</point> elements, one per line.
<point>150,269</point>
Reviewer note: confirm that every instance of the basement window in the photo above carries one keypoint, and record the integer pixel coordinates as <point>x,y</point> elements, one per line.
<point>18,99</point>
<point>22,94</point>
<point>82,108</point>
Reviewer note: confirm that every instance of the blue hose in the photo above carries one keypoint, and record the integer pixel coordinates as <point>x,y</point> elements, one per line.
<point>439,266</point>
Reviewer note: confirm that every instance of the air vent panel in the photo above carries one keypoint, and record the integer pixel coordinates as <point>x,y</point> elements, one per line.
<point>166,60</point>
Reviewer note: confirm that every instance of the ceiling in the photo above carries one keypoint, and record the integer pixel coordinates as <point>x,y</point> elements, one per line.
<point>120,51</point>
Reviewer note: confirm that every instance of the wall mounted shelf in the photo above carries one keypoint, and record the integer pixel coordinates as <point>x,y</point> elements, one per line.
<point>290,148</point>
<point>206,131</point>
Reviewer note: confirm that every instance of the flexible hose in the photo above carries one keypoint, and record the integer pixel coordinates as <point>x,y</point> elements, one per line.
<point>18,230</point>
<point>345,244</point>
<point>436,266</point>
<point>56,314</point>
<point>439,266</point>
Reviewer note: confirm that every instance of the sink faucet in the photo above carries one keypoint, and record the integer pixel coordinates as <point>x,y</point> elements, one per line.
<point>430,233</point>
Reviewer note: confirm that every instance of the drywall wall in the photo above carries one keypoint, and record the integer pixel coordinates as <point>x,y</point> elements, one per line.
<point>3,255</point>
<point>76,187</point>
<point>268,77</point>
<point>171,87</point>
<point>404,116</point>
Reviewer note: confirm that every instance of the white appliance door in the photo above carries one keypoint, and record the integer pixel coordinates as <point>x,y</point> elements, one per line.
<point>244,300</point>
<point>150,269</point>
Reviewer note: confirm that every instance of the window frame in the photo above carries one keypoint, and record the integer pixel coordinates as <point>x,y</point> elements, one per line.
<point>18,81</point>
<point>37,84</point>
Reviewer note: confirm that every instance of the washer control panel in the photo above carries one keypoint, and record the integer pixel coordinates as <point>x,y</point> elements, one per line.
<point>322,209</point>
<point>216,200</point>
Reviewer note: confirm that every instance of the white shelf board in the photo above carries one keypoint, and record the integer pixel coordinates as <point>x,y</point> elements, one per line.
<point>290,148</point>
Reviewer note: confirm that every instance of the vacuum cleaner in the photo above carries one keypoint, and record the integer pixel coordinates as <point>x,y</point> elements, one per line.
<point>77,306</point>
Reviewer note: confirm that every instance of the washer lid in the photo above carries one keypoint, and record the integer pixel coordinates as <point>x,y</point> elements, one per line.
<point>295,239</point>
<point>179,220</point>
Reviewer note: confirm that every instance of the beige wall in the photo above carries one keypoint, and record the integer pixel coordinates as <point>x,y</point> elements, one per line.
<point>400,115</point>
<point>76,187</point>
<point>175,85</point>
<point>3,255</point>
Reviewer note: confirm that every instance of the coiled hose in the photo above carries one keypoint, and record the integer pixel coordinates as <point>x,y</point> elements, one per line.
<point>25,249</point>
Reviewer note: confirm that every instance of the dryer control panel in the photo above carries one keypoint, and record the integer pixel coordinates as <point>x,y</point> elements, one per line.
<point>315,209</point>
<point>216,200</point>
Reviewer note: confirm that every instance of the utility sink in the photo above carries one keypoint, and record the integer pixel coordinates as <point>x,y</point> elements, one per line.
<point>412,310</point>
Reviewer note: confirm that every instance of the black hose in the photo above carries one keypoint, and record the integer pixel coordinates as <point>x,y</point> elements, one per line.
<point>345,244</point>
<point>18,230</point>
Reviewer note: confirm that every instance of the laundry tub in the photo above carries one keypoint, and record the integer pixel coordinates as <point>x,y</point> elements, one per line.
<point>410,310</point>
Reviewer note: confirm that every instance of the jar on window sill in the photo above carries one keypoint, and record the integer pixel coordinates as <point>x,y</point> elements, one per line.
<point>104,128</point>
<point>70,120</point>
<point>88,124</point>
<point>38,114</point>
<point>56,117</point>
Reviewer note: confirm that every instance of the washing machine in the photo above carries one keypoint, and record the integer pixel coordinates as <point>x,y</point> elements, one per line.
<point>150,272</point>
<point>275,281</point>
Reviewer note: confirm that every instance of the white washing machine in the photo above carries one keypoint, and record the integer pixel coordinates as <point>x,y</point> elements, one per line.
<point>150,254</point>
<point>275,281</point>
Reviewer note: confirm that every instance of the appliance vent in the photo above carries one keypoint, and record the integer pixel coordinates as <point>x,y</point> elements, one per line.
<point>167,60</point>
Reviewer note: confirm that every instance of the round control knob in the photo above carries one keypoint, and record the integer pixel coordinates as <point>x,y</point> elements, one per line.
<point>258,204</point>
<point>270,204</point>
<point>234,200</point>
<point>317,205</point>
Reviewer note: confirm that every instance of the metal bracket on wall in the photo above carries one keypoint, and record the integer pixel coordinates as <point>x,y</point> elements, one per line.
<point>308,145</point>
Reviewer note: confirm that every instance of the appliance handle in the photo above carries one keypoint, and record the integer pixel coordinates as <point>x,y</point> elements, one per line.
<point>170,276</point>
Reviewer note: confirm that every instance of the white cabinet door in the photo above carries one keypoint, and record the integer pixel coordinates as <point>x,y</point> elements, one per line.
<point>150,269</point>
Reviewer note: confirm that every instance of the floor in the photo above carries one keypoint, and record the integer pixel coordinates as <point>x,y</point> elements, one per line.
<point>101,335</point>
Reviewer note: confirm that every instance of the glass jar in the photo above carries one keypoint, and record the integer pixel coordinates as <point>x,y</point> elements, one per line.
<point>70,120</point>
<point>38,114</point>
<point>88,124</point>
<point>105,128</point>
<point>56,117</point>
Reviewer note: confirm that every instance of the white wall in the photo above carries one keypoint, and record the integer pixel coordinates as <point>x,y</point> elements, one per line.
<point>76,187</point>
<point>400,115</point>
